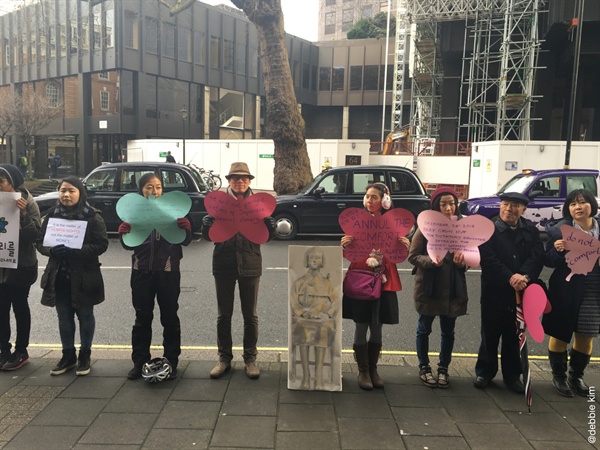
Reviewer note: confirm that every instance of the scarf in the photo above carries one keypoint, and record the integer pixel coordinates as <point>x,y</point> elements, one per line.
<point>247,194</point>
<point>80,212</point>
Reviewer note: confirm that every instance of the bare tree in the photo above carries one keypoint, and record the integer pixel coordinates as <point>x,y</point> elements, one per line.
<point>7,118</point>
<point>32,112</point>
<point>285,123</point>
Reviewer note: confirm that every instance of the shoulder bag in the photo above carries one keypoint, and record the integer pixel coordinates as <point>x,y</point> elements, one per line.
<point>362,285</point>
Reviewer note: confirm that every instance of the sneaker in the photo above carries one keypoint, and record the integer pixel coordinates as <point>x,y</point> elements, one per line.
<point>135,373</point>
<point>67,362</point>
<point>4,357</point>
<point>16,361</point>
<point>252,370</point>
<point>83,363</point>
<point>220,369</point>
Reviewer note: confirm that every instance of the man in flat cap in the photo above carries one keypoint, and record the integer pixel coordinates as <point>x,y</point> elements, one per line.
<point>510,260</point>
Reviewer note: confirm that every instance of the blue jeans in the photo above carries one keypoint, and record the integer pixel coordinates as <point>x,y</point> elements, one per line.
<point>66,319</point>
<point>447,344</point>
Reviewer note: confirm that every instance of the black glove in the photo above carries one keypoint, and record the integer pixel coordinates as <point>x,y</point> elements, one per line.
<point>208,221</point>
<point>60,251</point>
<point>270,223</point>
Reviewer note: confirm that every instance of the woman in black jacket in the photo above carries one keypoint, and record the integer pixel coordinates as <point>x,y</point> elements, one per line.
<point>155,274</point>
<point>15,283</point>
<point>72,281</point>
<point>575,303</point>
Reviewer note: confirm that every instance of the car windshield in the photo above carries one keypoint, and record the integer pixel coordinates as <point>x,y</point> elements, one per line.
<point>518,184</point>
<point>198,179</point>
<point>313,183</point>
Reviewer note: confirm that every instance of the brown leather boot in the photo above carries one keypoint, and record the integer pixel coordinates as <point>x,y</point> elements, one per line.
<point>374,352</point>
<point>361,354</point>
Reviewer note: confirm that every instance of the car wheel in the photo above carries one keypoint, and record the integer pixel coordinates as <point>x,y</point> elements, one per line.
<point>286,227</point>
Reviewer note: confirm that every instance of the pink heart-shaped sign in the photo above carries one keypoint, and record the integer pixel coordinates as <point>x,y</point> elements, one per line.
<point>535,303</point>
<point>381,232</point>
<point>242,215</point>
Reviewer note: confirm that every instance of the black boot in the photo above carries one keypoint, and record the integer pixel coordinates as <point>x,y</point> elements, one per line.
<point>83,363</point>
<point>374,352</point>
<point>67,362</point>
<point>361,354</point>
<point>558,364</point>
<point>578,363</point>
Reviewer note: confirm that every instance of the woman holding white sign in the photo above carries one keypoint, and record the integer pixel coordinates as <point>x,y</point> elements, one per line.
<point>440,290</point>
<point>575,300</point>
<point>16,282</point>
<point>370,315</point>
<point>72,281</point>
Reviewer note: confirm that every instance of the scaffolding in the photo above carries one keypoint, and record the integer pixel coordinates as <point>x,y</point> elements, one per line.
<point>499,60</point>
<point>402,25</point>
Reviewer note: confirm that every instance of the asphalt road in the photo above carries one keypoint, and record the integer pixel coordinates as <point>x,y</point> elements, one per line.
<point>198,309</point>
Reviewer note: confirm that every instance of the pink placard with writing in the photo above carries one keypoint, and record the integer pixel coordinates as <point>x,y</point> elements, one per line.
<point>380,232</point>
<point>451,235</point>
<point>240,215</point>
<point>583,250</point>
<point>535,303</point>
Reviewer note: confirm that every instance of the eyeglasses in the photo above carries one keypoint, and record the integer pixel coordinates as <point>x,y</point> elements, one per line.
<point>239,177</point>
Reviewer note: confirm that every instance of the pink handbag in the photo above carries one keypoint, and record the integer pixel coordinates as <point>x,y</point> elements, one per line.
<point>362,285</point>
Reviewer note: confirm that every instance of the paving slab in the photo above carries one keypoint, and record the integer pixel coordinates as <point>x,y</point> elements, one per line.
<point>70,412</point>
<point>306,417</point>
<point>200,390</point>
<point>244,432</point>
<point>435,443</point>
<point>365,406</point>
<point>84,387</point>
<point>46,438</point>
<point>412,396</point>
<point>239,402</point>
<point>294,440</point>
<point>493,436</point>
<point>545,427</point>
<point>317,397</point>
<point>369,433</point>
<point>138,398</point>
<point>424,422</point>
<point>473,410</point>
<point>119,428</point>
<point>182,414</point>
<point>177,439</point>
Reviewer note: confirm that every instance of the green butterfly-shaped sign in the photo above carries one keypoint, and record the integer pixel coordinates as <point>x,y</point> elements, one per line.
<point>147,214</point>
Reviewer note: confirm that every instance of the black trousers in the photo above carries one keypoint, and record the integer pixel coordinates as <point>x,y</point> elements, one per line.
<point>15,297</point>
<point>498,323</point>
<point>165,287</point>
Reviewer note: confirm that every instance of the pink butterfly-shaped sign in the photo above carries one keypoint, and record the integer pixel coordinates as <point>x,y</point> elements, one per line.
<point>583,250</point>
<point>240,215</point>
<point>535,303</point>
<point>376,232</point>
<point>451,235</point>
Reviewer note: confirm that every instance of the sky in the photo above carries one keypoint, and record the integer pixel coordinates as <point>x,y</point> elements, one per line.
<point>300,16</point>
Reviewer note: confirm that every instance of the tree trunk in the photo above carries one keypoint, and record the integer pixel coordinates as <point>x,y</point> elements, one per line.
<point>285,123</point>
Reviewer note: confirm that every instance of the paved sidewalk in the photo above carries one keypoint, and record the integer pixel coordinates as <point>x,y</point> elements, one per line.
<point>104,410</point>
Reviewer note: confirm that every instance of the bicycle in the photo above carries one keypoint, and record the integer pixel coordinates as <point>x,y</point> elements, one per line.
<point>214,177</point>
<point>211,179</point>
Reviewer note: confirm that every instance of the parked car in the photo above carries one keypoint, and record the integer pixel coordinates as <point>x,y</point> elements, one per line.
<point>315,209</point>
<point>107,183</point>
<point>546,190</point>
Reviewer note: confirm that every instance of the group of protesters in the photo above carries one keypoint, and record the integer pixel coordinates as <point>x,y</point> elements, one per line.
<point>511,260</point>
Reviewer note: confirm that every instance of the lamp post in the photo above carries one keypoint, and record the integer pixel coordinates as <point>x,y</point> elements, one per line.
<point>184,116</point>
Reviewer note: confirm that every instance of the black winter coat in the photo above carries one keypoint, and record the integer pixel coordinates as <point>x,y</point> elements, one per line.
<point>506,253</point>
<point>87,285</point>
<point>565,296</point>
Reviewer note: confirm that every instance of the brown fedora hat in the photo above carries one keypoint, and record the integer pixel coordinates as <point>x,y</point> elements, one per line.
<point>239,168</point>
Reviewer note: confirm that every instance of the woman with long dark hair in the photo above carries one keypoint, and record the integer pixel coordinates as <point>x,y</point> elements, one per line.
<point>72,281</point>
<point>370,315</point>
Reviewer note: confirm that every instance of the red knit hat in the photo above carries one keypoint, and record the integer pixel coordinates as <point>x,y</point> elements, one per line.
<point>443,190</point>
